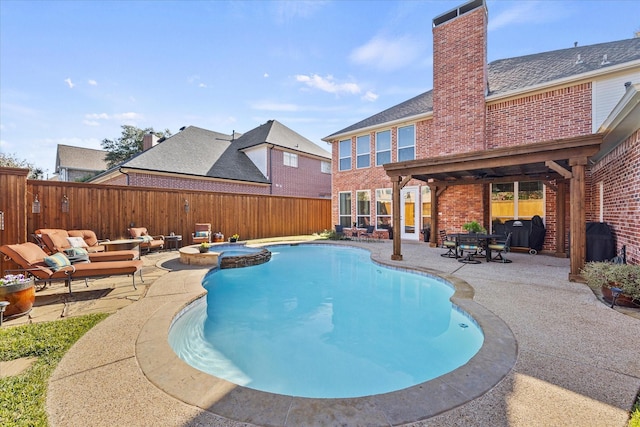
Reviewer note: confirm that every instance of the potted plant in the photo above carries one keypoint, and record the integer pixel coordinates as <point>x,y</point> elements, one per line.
<point>204,247</point>
<point>20,292</point>
<point>604,276</point>
<point>234,238</point>
<point>473,227</point>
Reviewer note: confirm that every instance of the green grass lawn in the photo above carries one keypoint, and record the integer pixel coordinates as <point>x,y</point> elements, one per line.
<point>22,397</point>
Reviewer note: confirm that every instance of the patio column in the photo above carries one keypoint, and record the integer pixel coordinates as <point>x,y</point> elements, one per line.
<point>577,227</point>
<point>433,241</point>
<point>396,255</point>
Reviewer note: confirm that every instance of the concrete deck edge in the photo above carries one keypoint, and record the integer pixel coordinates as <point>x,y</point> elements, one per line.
<point>485,370</point>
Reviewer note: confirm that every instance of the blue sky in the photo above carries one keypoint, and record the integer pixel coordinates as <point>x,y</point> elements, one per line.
<point>74,72</point>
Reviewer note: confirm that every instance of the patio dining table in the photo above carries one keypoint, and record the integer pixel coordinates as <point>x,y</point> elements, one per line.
<point>482,237</point>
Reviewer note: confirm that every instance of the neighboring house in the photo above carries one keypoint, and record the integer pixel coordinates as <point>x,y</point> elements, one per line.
<point>270,159</point>
<point>79,164</point>
<point>553,134</point>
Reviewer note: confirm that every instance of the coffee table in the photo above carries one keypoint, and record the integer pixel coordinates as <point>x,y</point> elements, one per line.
<point>123,244</point>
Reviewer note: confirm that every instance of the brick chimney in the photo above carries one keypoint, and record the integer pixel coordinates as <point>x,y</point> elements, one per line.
<point>460,78</point>
<point>149,140</point>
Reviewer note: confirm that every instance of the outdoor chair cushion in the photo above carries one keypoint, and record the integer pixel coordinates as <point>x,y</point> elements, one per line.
<point>57,261</point>
<point>90,239</point>
<point>57,240</point>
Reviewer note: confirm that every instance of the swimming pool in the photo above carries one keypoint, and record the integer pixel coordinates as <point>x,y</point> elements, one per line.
<point>324,321</point>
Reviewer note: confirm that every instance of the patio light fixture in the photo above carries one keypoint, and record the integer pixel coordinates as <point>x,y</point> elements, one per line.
<point>65,203</point>
<point>186,205</point>
<point>35,207</point>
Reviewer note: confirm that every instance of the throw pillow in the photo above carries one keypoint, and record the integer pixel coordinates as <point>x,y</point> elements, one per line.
<point>202,234</point>
<point>77,242</point>
<point>57,261</point>
<point>76,251</point>
<point>145,238</point>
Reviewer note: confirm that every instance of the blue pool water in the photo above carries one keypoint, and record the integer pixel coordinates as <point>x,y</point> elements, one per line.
<point>324,321</point>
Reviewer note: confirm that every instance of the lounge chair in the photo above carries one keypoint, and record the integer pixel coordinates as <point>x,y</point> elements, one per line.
<point>149,242</point>
<point>90,239</point>
<point>59,240</point>
<point>201,234</point>
<point>44,267</point>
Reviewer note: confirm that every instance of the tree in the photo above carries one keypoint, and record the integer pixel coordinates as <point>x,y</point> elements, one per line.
<point>12,161</point>
<point>129,144</point>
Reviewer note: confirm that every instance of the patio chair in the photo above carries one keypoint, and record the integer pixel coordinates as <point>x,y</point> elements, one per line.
<point>59,240</point>
<point>448,244</point>
<point>369,233</point>
<point>502,248</point>
<point>201,234</point>
<point>90,239</point>
<point>47,268</point>
<point>471,245</point>
<point>149,242</point>
<point>339,231</point>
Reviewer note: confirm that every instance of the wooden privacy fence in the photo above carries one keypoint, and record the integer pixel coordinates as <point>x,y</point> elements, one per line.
<point>110,210</point>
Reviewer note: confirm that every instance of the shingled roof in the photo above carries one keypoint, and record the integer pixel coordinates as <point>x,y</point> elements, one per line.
<point>80,158</point>
<point>520,73</point>
<point>200,152</point>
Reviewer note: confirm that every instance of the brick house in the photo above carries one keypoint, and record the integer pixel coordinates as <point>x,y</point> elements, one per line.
<point>78,163</point>
<point>270,159</point>
<point>554,134</point>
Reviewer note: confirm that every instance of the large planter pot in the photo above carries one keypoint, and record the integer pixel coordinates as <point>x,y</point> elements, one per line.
<point>623,300</point>
<point>20,296</point>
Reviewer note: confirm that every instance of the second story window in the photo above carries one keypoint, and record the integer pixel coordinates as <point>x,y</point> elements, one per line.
<point>291,159</point>
<point>383,148</point>
<point>344,154</point>
<point>325,167</point>
<point>406,143</point>
<point>363,152</point>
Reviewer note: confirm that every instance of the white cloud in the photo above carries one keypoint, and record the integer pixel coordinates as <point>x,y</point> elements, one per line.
<point>388,54</point>
<point>97,116</point>
<point>328,84</point>
<point>93,119</point>
<point>202,85</point>
<point>265,75</point>
<point>369,96</point>
<point>524,12</point>
<point>69,83</point>
<point>273,106</point>
<point>92,82</point>
<point>288,10</point>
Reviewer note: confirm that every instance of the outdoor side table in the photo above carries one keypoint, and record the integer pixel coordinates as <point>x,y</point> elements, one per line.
<point>173,242</point>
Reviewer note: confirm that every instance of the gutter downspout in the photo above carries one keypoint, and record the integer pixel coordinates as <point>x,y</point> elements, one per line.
<point>124,173</point>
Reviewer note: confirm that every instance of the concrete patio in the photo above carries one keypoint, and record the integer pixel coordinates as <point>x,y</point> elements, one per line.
<point>577,361</point>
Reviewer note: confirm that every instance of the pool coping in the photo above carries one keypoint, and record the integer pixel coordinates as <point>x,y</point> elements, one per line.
<point>493,362</point>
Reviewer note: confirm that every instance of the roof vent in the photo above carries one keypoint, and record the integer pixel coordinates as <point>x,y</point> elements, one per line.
<point>579,60</point>
<point>627,85</point>
<point>604,60</point>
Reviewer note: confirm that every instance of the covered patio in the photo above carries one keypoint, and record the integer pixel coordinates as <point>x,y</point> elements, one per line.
<point>561,164</point>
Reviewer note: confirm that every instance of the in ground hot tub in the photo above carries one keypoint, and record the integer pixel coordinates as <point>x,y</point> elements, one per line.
<point>225,255</point>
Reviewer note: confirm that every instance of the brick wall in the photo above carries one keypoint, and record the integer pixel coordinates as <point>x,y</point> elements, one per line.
<point>459,83</point>
<point>554,114</point>
<point>167,181</point>
<point>307,180</point>
<point>621,194</point>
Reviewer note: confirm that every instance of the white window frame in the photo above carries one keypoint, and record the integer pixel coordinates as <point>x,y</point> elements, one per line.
<point>363,151</point>
<point>363,219</point>
<point>380,151</point>
<point>342,156</point>
<point>381,215</point>
<point>290,159</point>
<point>408,144</point>
<point>344,218</point>
<point>325,166</point>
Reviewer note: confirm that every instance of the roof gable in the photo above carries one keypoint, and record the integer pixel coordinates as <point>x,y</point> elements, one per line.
<point>275,133</point>
<point>79,158</point>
